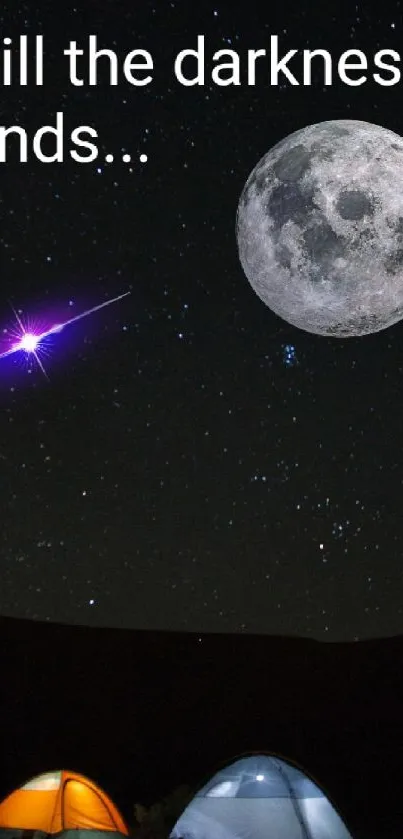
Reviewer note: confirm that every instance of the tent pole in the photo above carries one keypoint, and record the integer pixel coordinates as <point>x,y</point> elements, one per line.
<point>305,831</point>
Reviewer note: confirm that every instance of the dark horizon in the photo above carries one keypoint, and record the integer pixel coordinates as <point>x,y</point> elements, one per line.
<point>142,712</point>
<point>11,620</point>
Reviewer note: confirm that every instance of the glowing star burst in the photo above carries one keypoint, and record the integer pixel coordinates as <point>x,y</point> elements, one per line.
<point>31,342</point>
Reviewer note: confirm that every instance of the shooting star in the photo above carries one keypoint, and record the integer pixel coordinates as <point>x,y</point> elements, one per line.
<point>31,342</point>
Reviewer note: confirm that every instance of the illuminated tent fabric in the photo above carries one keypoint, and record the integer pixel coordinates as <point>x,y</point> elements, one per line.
<point>60,802</point>
<point>260,797</point>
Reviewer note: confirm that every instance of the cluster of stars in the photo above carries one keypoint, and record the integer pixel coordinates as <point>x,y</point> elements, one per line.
<point>289,355</point>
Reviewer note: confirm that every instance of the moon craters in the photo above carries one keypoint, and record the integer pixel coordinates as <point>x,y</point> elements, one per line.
<point>293,164</point>
<point>289,202</point>
<point>353,204</point>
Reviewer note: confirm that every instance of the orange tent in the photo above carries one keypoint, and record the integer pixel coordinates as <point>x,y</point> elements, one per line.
<point>60,801</point>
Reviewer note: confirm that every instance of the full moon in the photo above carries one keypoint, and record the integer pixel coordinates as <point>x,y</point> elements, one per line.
<point>320,228</point>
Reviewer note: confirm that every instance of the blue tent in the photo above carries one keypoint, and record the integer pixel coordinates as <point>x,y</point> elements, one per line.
<point>260,797</point>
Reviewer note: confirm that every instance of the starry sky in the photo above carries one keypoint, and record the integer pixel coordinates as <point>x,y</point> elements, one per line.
<point>192,462</point>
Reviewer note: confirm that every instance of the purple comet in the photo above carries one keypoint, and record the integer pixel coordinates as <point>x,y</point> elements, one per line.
<point>30,342</point>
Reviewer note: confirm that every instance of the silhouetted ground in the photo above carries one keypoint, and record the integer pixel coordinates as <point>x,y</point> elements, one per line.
<point>143,712</point>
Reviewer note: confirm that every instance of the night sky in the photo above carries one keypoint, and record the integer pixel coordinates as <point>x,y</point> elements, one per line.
<point>192,462</point>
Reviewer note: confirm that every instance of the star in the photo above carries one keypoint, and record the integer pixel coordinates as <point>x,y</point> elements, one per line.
<point>29,342</point>
<point>32,343</point>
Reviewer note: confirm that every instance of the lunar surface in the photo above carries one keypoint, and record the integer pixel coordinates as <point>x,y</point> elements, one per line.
<point>320,228</point>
